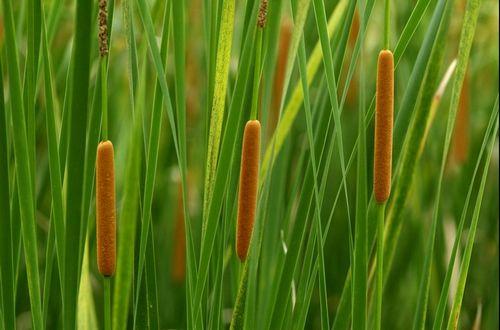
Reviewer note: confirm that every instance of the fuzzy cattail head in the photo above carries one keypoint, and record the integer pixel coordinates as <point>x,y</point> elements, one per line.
<point>179,258</point>
<point>103,28</point>
<point>247,198</point>
<point>105,209</point>
<point>383,127</point>
<point>261,21</point>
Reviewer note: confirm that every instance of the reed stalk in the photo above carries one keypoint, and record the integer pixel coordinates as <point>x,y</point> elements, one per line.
<point>382,168</point>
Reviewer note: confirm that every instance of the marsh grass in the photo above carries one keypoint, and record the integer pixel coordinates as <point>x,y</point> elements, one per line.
<point>312,254</point>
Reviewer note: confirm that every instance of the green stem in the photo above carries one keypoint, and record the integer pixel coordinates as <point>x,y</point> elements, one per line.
<point>387,23</point>
<point>104,97</point>
<point>256,78</point>
<point>239,307</point>
<point>107,304</point>
<point>380,262</point>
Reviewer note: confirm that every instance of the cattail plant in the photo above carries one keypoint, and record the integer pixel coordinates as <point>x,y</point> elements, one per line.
<point>250,155</point>
<point>382,167</point>
<point>247,199</point>
<point>383,127</point>
<point>105,177</point>
<point>105,209</point>
<point>249,178</point>
<point>105,172</point>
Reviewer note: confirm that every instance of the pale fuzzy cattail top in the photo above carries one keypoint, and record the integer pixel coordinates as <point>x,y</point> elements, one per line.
<point>382,168</point>
<point>105,209</point>
<point>249,183</point>
<point>103,28</point>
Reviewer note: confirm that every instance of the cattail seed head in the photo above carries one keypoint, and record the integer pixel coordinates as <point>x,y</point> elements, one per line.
<point>105,209</point>
<point>383,127</point>
<point>103,28</point>
<point>247,198</point>
<point>261,21</point>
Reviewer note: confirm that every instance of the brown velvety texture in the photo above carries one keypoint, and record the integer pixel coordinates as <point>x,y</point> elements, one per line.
<point>179,258</point>
<point>105,209</point>
<point>383,127</point>
<point>247,198</point>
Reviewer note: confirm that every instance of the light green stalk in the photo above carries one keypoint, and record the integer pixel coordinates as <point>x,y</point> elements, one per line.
<point>219,100</point>
<point>380,264</point>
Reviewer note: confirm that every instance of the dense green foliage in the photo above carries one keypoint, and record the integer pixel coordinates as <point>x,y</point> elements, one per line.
<point>181,79</point>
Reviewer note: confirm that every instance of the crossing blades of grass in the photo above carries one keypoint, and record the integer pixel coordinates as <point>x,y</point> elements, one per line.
<point>405,112</point>
<point>23,173</point>
<point>54,163</point>
<point>360,260</point>
<point>29,83</point>
<point>466,38</point>
<point>6,266</point>
<point>127,229</point>
<point>318,226</point>
<point>319,11</point>
<point>299,22</point>
<point>440,311</point>
<point>464,267</point>
<point>86,316</point>
<point>293,106</point>
<point>152,154</point>
<point>76,158</point>
<point>179,36</point>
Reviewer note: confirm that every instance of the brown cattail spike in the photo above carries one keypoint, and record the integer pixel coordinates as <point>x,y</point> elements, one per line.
<point>103,28</point>
<point>261,22</point>
<point>383,127</point>
<point>247,198</point>
<point>105,209</point>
